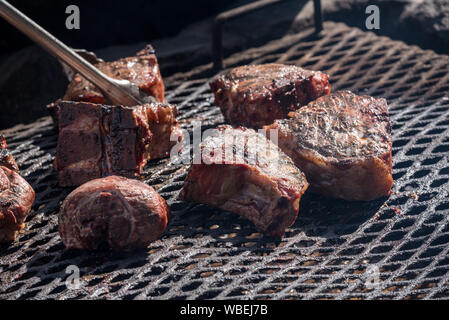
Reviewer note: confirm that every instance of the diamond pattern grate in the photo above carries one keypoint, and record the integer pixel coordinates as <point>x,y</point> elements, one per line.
<point>331,250</point>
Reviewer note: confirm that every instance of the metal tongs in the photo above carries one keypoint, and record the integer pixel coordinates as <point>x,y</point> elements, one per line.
<point>118,92</point>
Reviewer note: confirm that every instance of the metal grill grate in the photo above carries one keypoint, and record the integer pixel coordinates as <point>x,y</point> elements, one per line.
<point>327,253</point>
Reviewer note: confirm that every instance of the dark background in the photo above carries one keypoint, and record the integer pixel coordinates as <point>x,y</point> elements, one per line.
<point>106,23</point>
<point>30,78</point>
<point>181,32</point>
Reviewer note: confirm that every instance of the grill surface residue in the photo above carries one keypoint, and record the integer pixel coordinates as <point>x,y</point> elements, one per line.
<point>389,248</point>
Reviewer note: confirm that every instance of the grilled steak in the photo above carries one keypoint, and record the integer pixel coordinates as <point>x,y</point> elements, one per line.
<point>97,140</point>
<point>113,212</point>
<point>256,95</point>
<point>343,144</point>
<point>16,199</point>
<point>142,70</point>
<point>243,172</point>
<point>6,158</point>
<point>164,128</point>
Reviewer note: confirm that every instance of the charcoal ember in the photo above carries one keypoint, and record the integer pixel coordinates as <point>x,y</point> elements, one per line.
<point>256,95</point>
<point>16,199</point>
<point>342,142</point>
<point>98,140</point>
<point>243,172</point>
<point>113,212</point>
<point>6,158</point>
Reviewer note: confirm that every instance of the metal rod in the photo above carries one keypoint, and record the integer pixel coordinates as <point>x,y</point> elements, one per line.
<point>318,16</point>
<point>110,87</point>
<point>222,18</point>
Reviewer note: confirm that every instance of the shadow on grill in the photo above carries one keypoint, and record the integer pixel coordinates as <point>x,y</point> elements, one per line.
<point>330,218</point>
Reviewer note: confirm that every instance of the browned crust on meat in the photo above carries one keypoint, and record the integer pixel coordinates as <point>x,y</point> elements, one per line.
<point>6,158</point>
<point>112,212</point>
<point>16,199</point>
<point>266,191</point>
<point>142,70</point>
<point>97,140</point>
<point>366,179</point>
<point>164,128</point>
<point>256,95</point>
<point>343,144</point>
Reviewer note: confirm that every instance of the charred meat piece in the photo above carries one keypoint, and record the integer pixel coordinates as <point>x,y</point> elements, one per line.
<point>6,158</point>
<point>343,144</point>
<point>243,172</point>
<point>16,199</point>
<point>164,128</point>
<point>98,140</point>
<point>256,95</point>
<point>112,212</point>
<point>142,70</point>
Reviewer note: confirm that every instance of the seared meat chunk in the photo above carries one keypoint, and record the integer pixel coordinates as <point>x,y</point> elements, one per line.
<point>142,70</point>
<point>256,95</point>
<point>243,172</point>
<point>6,158</point>
<point>16,196</point>
<point>112,212</point>
<point>343,144</point>
<point>16,199</point>
<point>164,128</point>
<point>98,140</point>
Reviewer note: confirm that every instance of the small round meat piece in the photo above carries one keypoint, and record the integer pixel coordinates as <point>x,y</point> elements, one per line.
<point>112,212</point>
<point>16,199</point>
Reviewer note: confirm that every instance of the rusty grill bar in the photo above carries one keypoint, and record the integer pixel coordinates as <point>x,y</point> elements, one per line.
<point>327,253</point>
